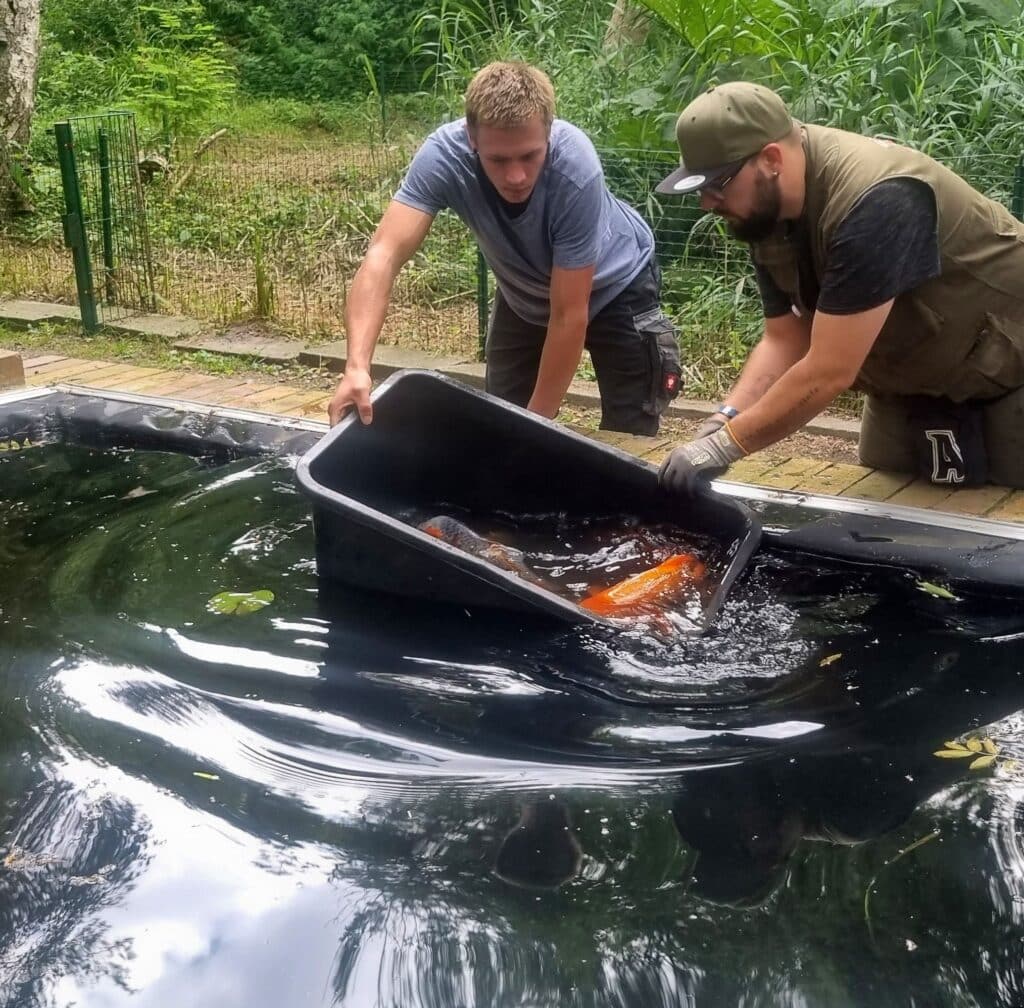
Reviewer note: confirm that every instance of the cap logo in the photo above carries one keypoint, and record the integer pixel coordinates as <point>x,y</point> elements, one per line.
<point>691,182</point>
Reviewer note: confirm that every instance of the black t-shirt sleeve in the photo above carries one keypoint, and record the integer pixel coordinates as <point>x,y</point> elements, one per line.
<point>773,301</point>
<point>887,245</point>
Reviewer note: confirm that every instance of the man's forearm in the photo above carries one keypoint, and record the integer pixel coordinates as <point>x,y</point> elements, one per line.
<point>767,363</point>
<point>795,398</point>
<point>365,311</point>
<point>563,348</point>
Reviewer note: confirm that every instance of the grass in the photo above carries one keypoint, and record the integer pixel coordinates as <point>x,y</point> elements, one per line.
<point>150,351</point>
<point>339,120</point>
<point>274,223</point>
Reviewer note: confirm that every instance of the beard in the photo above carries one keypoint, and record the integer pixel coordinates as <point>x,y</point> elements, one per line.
<point>764,218</point>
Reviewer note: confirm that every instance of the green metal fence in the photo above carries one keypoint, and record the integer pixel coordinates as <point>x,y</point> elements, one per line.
<point>105,223</point>
<point>254,228</point>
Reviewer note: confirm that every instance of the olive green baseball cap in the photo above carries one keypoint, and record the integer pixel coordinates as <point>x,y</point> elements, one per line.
<point>720,129</point>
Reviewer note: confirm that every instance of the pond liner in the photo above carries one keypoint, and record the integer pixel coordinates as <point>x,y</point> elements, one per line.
<point>434,444</point>
<point>102,419</point>
<point>970,559</point>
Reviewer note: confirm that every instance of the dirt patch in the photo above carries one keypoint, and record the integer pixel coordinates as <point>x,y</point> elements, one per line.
<point>254,329</point>
<point>799,445</point>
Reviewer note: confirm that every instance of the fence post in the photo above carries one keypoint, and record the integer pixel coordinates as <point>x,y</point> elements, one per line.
<point>1017,201</point>
<point>482,300</point>
<point>107,211</point>
<point>74,227</point>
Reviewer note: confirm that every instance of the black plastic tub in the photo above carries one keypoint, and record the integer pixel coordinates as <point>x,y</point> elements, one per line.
<point>436,441</point>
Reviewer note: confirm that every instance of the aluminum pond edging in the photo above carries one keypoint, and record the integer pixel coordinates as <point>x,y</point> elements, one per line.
<point>876,509</point>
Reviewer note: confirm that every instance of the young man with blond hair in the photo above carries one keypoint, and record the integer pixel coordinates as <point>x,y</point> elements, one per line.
<point>574,265</point>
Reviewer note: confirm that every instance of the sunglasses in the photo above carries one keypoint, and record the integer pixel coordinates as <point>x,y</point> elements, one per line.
<point>716,189</point>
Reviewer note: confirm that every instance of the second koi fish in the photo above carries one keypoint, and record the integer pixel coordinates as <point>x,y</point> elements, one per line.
<point>453,532</point>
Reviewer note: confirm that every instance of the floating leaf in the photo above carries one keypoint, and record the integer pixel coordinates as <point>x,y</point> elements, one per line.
<point>137,492</point>
<point>825,662</point>
<point>21,860</point>
<point>989,746</point>
<point>981,762</point>
<point>937,591</point>
<point>1010,764</point>
<point>239,603</point>
<point>205,776</point>
<point>955,745</point>
<point>952,753</point>
<point>973,744</point>
<point>87,879</point>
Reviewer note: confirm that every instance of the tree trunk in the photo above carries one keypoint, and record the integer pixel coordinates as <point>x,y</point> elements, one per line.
<point>19,57</point>
<point>628,25</point>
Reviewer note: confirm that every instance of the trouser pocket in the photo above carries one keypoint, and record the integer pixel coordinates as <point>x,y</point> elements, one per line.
<point>659,337</point>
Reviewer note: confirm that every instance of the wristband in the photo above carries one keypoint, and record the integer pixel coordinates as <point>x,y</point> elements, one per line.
<point>736,440</point>
<point>729,412</point>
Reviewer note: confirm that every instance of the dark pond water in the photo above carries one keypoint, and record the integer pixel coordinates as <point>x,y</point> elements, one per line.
<point>336,800</point>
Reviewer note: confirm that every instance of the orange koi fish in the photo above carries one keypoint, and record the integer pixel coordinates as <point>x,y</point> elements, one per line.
<point>642,592</point>
<point>462,537</point>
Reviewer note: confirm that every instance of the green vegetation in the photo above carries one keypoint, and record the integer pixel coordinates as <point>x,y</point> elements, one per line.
<point>315,49</point>
<point>147,351</point>
<point>162,59</point>
<point>943,75</point>
<point>324,103</point>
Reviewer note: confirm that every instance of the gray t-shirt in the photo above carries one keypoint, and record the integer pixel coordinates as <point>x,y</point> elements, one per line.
<point>571,221</point>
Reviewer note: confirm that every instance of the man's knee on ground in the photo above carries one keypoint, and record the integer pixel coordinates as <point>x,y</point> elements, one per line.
<point>886,439</point>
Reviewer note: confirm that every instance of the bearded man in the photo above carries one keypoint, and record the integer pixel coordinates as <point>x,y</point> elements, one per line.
<point>879,270</point>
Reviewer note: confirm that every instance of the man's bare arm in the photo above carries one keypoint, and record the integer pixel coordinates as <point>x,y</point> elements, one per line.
<point>563,344</point>
<point>400,233</point>
<point>786,340</point>
<point>838,348</point>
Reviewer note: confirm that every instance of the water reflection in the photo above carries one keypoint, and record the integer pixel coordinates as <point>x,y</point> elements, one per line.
<point>347,801</point>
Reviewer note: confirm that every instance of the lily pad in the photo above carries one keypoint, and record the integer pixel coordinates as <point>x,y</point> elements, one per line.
<point>936,591</point>
<point>239,603</point>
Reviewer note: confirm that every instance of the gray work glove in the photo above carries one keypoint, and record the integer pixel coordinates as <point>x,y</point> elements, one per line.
<point>691,466</point>
<point>714,422</point>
